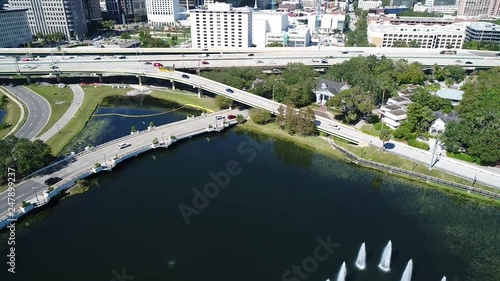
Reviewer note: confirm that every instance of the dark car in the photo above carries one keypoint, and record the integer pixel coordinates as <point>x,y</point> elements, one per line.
<point>229,91</point>
<point>52,181</point>
<point>204,50</point>
<point>148,62</point>
<point>468,62</point>
<point>345,53</point>
<point>185,76</point>
<point>98,58</point>
<point>231,117</point>
<point>251,55</point>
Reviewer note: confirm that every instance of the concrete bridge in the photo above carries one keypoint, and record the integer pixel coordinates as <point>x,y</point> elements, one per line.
<point>104,158</point>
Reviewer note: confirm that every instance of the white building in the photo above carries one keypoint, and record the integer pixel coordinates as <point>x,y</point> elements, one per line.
<point>221,25</point>
<point>430,37</point>
<point>49,17</point>
<point>299,36</point>
<point>14,28</point>
<point>445,10</point>
<point>264,22</point>
<point>332,22</point>
<point>162,12</point>
<point>482,31</point>
<point>366,5</point>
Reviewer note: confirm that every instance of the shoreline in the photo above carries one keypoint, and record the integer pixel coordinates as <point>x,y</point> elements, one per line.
<point>324,150</point>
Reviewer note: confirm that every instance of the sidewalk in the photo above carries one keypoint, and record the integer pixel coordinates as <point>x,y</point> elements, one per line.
<point>70,113</point>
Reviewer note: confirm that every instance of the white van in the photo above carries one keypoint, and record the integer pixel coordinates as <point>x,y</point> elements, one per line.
<point>219,117</point>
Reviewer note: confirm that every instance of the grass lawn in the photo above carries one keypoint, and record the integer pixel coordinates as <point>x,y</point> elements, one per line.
<point>93,97</point>
<point>188,98</point>
<point>310,142</point>
<point>368,129</point>
<point>12,116</point>
<point>59,100</point>
<point>372,153</point>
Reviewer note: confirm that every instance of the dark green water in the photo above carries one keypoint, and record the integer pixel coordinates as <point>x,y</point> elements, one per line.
<point>266,220</point>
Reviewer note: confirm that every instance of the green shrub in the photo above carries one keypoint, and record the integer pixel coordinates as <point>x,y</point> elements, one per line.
<point>461,156</point>
<point>418,144</point>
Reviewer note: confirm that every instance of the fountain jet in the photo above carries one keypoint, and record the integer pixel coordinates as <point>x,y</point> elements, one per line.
<point>385,260</point>
<point>361,260</point>
<point>444,278</point>
<point>408,270</point>
<point>342,273</point>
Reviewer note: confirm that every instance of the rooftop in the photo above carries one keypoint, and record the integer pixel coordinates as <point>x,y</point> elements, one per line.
<point>392,107</point>
<point>484,26</point>
<point>450,94</point>
<point>411,29</point>
<point>397,112</point>
<point>447,117</point>
<point>400,99</point>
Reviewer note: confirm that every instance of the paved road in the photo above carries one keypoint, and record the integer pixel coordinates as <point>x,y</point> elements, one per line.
<point>38,111</point>
<point>85,162</point>
<point>21,117</point>
<point>76,103</point>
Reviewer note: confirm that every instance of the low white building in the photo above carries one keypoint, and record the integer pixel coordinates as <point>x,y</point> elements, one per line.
<point>442,9</point>
<point>14,28</point>
<point>430,37</point>
<point>264,22</point>
<point>393,118</point>
<point>482,31</point>
<point>330,23</point>
<point>442,119</point>
<point>326,89</point>
<point>294,37</point>
<point>366,5</point>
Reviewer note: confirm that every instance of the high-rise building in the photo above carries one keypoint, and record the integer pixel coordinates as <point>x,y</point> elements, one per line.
<point>49,17</point>
<point>479,8</point>
<point>92,10</point>
<point>14,28</point>
<point>220,25</point>
<point>162,11</point>
<point>123,11</point>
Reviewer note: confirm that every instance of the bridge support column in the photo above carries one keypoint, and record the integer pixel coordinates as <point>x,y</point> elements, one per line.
<point>173,84</point>
<point>140,80</point>
<point>28,78</point>
<point>100,77</point>
<point>58,78</point>
<point>199,92</point>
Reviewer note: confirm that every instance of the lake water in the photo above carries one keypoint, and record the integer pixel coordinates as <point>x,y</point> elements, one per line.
<point>268,218</point>
<point>2,115</point>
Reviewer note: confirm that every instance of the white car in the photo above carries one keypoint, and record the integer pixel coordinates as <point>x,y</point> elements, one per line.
<point>26,66</point>
<point>123,145</point>
<point>334,126</point>
<point>316,60</point>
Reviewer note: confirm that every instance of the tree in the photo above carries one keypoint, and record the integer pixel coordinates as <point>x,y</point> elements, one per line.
<point>125,35</point>
<point>455,72</point>
<point>413,75</point>
<point>290,118</point>
<point>353,102</point>
<point>306,123</point>
<point>137,19</point>
<point>280,117</point>
<point>275,44</point>
<point>419,118</point>
<point>223,102</point>
<point>240,118</point>
<point>384,136</point>
<point>259,116</point>
<point>108,24</point>
<point>174,38</point>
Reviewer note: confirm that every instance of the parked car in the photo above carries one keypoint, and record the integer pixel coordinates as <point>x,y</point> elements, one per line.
<point>157,64</point>
<point>230,117</point>
<point>124,145</point>
<point>52,181</point>
<point>229,91</point>
<point>185,76</point>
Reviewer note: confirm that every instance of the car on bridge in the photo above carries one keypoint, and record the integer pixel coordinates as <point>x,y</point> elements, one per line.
<point>259,61</point>
<point>185,76</point>
<point>230,91</point>
<point>334,126</point>
<point>204,62</point>
<point>251,55</point>
<point>157,64</point>
<point>97,58</point>
<point>124,145</point>
<point>148,62</point>
<point>316,60</point>
<point>231,117</point>
<point>324,61</point>
<point>468,62</point>
<point>52,181</point>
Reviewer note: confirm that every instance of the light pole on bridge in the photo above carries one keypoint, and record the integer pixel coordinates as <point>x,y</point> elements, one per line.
<point>36,195</point>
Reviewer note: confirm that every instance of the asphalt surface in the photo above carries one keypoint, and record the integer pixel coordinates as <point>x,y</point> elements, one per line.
<point>38,111</point>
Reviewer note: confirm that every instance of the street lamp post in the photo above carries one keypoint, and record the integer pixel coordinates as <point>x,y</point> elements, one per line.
<point>163,137</point>
<point>105,163</point>
<point>36,195</point>
<point>58,129</point>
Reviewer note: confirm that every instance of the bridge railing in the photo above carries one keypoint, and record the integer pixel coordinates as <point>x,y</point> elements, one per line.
<point>427,178</point>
